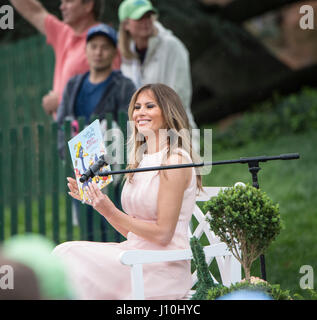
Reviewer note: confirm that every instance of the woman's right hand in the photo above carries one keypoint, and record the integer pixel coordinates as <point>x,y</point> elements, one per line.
<point>73,187</point>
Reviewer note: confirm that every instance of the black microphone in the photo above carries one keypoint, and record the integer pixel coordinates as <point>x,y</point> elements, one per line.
<point>93,170</point>
<point>289,156</point>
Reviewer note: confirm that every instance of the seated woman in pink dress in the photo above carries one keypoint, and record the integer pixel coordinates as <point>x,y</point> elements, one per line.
<point>157,206</point>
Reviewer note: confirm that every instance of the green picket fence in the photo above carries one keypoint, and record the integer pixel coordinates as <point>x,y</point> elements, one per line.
<point>33,191</point>
<point>26,75</point>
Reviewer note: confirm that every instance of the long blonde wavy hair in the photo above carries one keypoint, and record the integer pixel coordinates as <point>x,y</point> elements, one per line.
<point>176,124</point>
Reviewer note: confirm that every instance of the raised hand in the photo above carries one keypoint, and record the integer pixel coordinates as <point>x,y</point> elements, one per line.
<point>73,187</point>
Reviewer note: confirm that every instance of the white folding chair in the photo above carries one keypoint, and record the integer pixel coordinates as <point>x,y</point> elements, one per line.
<point>229,267</point>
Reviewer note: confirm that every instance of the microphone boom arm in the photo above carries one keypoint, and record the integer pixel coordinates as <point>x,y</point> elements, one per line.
<point>289,156</point>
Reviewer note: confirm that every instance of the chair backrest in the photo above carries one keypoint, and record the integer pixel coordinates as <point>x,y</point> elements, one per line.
<point>200,228</point>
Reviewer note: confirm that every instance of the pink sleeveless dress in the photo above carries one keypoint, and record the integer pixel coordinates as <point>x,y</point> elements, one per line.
<point>94,267</point>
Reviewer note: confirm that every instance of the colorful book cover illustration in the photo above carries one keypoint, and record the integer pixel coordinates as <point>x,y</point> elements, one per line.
<point>85,149</point>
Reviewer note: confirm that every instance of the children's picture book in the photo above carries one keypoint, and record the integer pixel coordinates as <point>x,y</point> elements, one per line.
<point>85,149</point>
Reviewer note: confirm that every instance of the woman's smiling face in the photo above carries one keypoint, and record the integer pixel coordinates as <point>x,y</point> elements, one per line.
<point>147,115</point>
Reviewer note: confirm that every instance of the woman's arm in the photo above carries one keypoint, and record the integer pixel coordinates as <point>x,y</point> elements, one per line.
<point>170,196</point>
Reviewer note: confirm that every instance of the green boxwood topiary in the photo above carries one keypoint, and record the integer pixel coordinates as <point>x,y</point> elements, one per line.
<point>245,219</point>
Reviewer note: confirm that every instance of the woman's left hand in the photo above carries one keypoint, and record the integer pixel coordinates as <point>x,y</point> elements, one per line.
<point>99,201</point>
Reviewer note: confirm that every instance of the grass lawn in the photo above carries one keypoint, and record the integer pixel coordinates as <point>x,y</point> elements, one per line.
<point>76,233</point>
<point>21,220</point>
<point>293,185</point>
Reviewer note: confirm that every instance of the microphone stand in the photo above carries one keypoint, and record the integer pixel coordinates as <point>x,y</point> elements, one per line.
<point>253,164</point>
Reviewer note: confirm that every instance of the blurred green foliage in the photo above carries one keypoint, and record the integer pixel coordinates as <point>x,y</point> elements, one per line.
<point>281,115</point>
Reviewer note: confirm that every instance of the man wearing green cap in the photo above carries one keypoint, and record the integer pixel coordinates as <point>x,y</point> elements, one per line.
<point>151,53</point>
